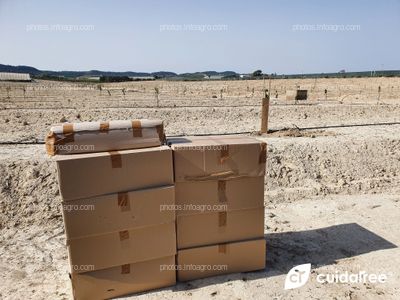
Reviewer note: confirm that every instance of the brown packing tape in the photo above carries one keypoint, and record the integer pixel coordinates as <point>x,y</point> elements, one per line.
<point>50,141</point>
<point>68,128</point>
<point>222,248</point>
<point>160,132</point>
<point>104,127</point>
<point>116,160</point>
<point>263,154</point>
<point>224,154</point>
<point>125,269</point>
<point>123,201</point>
<point>214,176</point>
<point>222,218</point>
<point>222,191</point>
<point>137,128</point>
<point>123,235</point>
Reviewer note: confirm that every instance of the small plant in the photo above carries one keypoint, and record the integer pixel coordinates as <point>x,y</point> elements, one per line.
<point>379,93</point>
<point>8,89</point>
<point>100,88</point>
<point>157,93</point>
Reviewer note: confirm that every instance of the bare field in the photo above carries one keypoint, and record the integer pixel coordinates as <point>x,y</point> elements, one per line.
<point>331,193</point>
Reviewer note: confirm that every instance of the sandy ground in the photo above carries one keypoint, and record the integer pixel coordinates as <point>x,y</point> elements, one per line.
<point>331,194</point>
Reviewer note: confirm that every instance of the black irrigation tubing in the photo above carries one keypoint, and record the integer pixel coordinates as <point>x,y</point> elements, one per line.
<point>183,106</point>
<point>22,143</point>
<point>208,134</point>
<point>123,107</point>
<point>168,136</point>
<point>350,125</point>
<point>41,142</point>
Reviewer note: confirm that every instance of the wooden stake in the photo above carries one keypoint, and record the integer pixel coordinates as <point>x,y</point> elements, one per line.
<point>379,93</point>
<point>264,114</point>
<point>269,87</point>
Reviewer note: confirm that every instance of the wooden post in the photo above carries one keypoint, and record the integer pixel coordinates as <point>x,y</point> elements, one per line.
<point>269,87</point>
<point>264,114</point>
<point>379,93</point>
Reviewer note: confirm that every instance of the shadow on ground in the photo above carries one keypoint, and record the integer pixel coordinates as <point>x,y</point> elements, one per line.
<point>319,247</point>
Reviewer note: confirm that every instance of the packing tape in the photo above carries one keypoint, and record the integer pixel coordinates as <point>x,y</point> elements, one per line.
<point>214,176</point>
<point>222,248</point>
<point>224,154</point>
<point>68,128</point>
<point>222,191</point>
<point>263,154</point>
<point>137,128</point>
<point>116,160</point>
<point>125,269</point>
<point>123,201</point>
<point>160,132</point>
<point>50,142</point>
<point>104,126</point>
<point>222,218</point>
<point>123,235</point>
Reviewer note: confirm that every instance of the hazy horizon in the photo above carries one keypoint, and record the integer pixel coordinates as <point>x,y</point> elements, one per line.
<point>194,71</point>
<point>284,37</point>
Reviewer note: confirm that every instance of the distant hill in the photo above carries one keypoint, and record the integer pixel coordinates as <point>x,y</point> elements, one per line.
<point>19,69</point>
<point>225,73</point>
<point>72,75</point>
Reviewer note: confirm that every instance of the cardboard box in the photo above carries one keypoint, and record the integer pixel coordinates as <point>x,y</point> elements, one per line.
<point>118,211</point>
<point>219,227</point>
<point>202,158</point>
<point>87,137</point>
<point>193,197</point>
<point>93,174</point>
<point>123,280</point>
<point>119,248</point>
<point>221,259</point>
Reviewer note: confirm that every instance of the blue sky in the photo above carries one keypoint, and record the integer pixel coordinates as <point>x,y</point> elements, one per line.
<point>129,35</point>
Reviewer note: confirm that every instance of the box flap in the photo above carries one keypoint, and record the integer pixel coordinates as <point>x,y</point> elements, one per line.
<point>219,227</point>
<point>118,211</point>
<point>194,197</point>
<point>118,248</point>
<point>125,279</point>
<point>93,174</point>
<point>221,259</point>
<point>205,158</point>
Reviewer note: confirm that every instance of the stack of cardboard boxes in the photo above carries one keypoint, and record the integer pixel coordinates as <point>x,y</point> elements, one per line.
<point>124,217</point>
<point>118,239</point>
<point>219,183</point>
